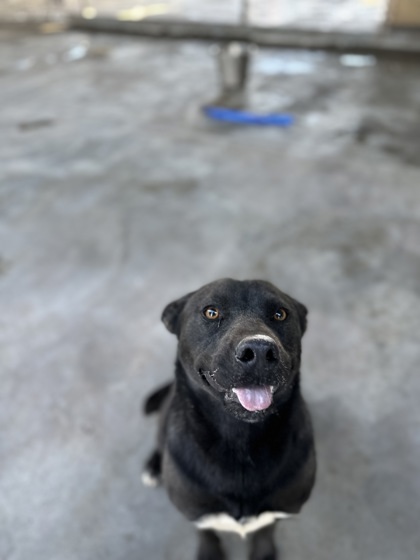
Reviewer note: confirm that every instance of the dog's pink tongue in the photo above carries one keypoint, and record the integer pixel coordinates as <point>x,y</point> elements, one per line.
<point>254,398</point>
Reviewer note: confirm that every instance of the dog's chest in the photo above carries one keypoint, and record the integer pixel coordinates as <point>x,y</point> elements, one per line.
<point>246,525</point>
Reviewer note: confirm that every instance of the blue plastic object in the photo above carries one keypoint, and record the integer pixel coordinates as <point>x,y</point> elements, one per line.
<point>244,117</point>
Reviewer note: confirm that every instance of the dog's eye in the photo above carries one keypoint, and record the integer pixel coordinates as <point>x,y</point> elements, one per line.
<point>280,315</point>
<point>211,313</point>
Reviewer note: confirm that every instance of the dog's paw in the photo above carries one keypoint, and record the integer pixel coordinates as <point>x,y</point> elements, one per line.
<point>150,480</point>
<point>264,553</point>
<point>151,476</point>
<point>262,545</point>
<point>210,547</point>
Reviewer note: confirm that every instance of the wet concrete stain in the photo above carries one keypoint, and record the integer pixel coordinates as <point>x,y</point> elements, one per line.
<point>5,265</point>
<point>401,140</point>
<point>181,186</point>
<point>316,99</point>
<point>26,126</point>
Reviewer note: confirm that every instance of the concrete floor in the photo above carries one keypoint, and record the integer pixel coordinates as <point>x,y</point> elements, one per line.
<point>117,196</point>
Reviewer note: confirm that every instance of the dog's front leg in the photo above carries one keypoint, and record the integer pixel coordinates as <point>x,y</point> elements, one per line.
<point>209,546</point>
<point>262,544</point>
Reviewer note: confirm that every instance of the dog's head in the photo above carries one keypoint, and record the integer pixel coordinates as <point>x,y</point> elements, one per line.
<point>240,342</point>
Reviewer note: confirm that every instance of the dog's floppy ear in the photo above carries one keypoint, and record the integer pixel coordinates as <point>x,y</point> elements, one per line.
<point>302,313</point>
<point>172,311</point>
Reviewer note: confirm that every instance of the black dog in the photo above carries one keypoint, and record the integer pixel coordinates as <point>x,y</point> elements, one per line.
<point>235,447</point>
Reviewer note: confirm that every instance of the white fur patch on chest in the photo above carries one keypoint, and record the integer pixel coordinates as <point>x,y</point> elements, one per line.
<point>245,525</point>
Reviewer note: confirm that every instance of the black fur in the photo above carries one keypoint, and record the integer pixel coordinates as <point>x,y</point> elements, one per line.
<point>155,400</point>
<point>216,456</point>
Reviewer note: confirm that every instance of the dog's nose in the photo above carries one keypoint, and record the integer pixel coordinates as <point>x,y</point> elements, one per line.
<point>257,349</point>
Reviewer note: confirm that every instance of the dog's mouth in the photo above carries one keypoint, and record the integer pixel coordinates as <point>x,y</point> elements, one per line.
<point>252,398</point>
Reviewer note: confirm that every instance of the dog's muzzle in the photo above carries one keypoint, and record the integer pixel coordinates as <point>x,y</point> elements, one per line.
<point>257,353</point>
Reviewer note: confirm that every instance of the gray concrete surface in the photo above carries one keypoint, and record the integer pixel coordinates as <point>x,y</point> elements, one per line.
<point>117,196</point>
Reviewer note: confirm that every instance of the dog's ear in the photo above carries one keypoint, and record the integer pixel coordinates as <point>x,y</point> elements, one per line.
<point>172,312</point>
<point>302,313</point>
